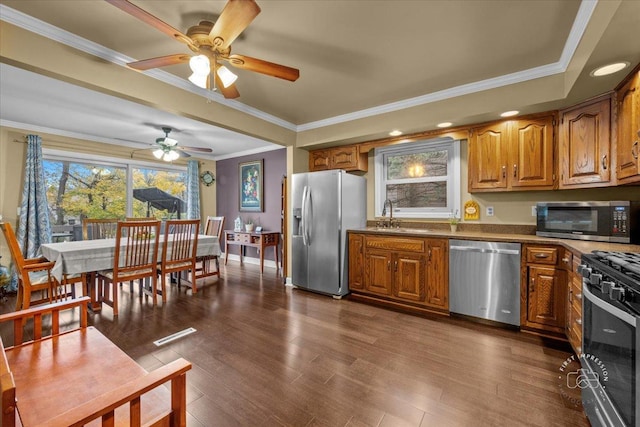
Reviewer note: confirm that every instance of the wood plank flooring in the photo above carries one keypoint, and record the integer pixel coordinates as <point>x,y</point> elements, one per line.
<point>268,355</point>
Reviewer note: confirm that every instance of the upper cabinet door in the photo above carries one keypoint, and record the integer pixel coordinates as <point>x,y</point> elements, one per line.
<point>319,160</point>
<point>488,157</point>
<point>585,145</point>
<point>531,153</point>
<point>628,141</point>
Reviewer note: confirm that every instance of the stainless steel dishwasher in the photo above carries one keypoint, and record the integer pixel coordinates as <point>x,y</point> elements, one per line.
<point>484,280</point>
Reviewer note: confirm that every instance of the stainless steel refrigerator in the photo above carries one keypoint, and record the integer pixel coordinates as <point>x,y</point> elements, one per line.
<point>325,205</point>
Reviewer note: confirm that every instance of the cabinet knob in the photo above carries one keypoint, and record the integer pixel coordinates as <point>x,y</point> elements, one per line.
<point>515,170</point>
<point>533,284</point>
<point>395,266</point>
<point>389,265</point>
<point>504,171</point>
<point>541,255</point>
<point>604,162</point>
<point>634,150</point>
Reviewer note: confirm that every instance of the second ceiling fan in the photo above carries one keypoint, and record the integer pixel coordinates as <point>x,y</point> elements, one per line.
<point>212,42</point>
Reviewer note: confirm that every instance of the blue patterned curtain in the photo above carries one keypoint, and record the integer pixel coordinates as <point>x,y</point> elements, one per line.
<point>193,190</point>
<point>34,227</point>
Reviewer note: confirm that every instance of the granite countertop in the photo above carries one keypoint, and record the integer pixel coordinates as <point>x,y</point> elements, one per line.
<point>573,245</point>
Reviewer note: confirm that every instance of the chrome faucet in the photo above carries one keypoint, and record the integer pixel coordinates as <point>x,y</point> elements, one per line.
<point>384,208</point>
<point>384,211</point>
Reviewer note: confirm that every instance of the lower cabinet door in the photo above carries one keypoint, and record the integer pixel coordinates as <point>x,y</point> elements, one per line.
<point>438,273</point>
<point>378,272</point>
<point>546,297</point>
<point>356,261</point>
<point>408,276</point>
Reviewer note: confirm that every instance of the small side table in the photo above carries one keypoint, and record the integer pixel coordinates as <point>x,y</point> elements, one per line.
<point>260,240</point>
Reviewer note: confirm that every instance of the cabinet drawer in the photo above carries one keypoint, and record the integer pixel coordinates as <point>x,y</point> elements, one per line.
<point>244,238</point>
<point>395,243</point>
<point>542,255</point>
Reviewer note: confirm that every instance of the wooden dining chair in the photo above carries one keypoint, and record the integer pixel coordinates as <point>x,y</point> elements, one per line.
<point>99,228</point>
<point>135,258</point>
<point>213,227</point>
<point>179,252</point>
<point>34,276</point>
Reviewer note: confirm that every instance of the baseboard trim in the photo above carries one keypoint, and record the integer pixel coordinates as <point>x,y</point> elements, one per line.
<point>250,260</point>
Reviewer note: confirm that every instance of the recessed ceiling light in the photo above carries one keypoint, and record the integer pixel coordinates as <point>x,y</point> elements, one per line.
<point>395,133</point>
<point>444,124</point>
<point>510,113</point>
<point>609,69</point>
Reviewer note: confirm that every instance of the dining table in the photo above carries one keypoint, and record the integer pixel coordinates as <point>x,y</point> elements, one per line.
<point>89,256</point>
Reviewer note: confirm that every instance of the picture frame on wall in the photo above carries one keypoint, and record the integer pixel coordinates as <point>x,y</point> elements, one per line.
<point>251,183</point>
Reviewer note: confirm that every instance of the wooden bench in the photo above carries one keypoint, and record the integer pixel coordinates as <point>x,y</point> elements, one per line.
<point>78,377</point>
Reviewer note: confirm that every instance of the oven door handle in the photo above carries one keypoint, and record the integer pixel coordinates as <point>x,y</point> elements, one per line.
<point>615,311</point>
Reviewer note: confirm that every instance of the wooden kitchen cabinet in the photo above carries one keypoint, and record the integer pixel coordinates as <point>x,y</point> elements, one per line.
<point>438,274</point>
<point>410,272</point>
<point>585,145</point>
<point>348,158</point>
<point>356,261</point>
<point>377,275</point>
<point>628,130</point>
<point>408,276</point>
<point>545,289</point>
<point>513,155</point>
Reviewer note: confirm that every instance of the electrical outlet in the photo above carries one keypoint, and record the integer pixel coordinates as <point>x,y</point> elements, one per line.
<point>489,210</point>
<point>534,211</point>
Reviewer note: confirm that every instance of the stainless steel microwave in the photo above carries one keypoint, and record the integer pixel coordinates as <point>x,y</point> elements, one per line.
<point>617,221</point>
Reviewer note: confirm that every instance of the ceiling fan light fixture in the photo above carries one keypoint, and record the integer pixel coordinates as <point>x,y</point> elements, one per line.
<point>158,153</point>
<point>170,142</point>
<point>226,76</point>
<point>200,65</point>
<point>170,156</point>
<point>199,80</point>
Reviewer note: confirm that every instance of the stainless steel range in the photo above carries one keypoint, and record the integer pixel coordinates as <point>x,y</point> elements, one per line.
<point>611,315</point>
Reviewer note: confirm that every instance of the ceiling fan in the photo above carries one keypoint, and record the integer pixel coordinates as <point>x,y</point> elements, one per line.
<point>212,42</point>
<point>168,149</point>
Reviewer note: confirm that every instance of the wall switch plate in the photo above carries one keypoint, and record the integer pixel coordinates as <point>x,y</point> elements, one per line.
<point>534,211</point>
<point>489,210</point>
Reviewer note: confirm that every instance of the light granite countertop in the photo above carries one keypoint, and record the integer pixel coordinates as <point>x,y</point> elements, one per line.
<point>580,246</point>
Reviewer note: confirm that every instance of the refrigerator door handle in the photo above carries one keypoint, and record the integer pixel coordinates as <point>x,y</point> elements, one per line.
<point>308,222</point>
<point>303,216</point>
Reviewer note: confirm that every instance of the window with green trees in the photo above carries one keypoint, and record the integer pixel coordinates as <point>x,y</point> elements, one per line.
<point>78,189</point>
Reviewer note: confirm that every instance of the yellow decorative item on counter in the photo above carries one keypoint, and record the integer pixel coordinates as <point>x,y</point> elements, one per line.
<point>471,210</point>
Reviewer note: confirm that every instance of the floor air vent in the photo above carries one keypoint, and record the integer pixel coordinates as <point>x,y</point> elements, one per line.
<point>174,337</point>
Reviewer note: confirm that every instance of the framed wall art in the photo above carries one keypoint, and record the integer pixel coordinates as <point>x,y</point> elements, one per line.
<point>251,185</point>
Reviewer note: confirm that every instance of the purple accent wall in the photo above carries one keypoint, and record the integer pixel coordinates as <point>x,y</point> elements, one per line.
<point>227,200</point>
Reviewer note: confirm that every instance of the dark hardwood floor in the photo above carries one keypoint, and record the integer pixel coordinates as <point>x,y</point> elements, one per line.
<point>266,354</point>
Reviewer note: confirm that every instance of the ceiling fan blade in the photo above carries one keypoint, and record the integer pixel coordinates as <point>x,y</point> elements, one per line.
<point>161,61</point>
<point>235,17</point>
<point>230,92</point>
<point>264,67</point>
<point>156,23</point>
<point>199,149</point>
<point>183,153</point>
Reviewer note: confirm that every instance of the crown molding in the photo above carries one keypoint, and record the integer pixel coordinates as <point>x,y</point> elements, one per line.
<point>577,30</point>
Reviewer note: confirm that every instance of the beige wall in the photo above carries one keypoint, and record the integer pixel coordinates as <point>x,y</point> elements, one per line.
<point>513,207</point>
<point>12,160</point>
